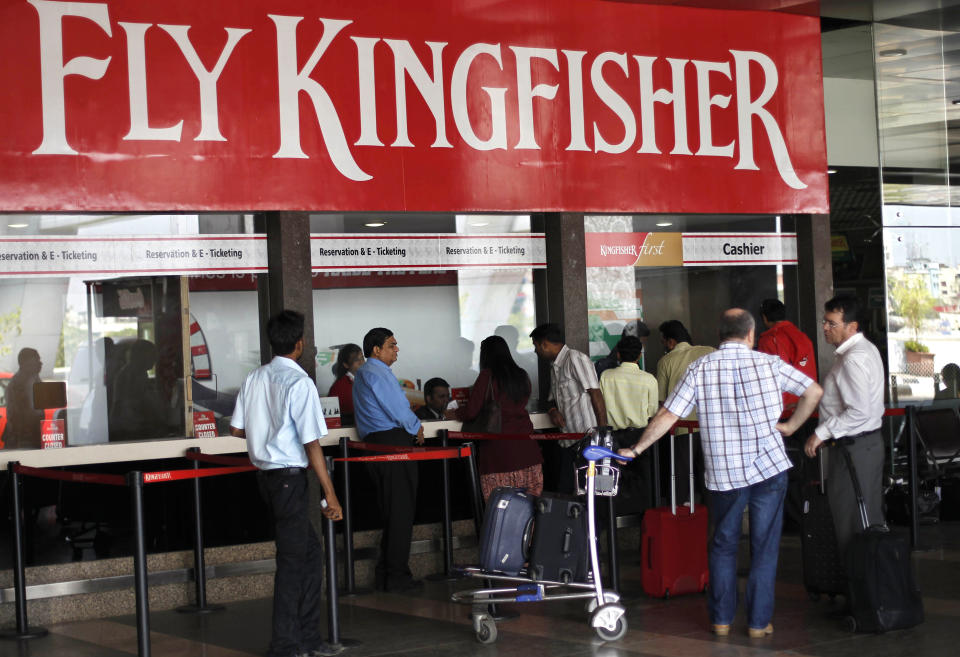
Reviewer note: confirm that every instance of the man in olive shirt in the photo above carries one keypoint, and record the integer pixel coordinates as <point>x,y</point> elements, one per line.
<point>680,353</point>
<point>671,368</point>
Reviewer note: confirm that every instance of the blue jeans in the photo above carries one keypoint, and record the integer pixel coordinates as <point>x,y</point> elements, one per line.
<point>766,521</point>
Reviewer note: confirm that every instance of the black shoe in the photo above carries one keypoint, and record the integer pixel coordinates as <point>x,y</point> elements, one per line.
<point>324,650</point>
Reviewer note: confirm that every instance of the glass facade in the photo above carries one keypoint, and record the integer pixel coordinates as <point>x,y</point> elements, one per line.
<point>694,294</point>
<point>109,351</point>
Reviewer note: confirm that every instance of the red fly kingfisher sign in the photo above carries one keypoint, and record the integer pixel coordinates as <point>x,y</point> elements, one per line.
<point>421,105</point>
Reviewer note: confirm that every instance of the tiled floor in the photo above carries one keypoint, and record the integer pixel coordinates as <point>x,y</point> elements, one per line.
<point>427,624</point>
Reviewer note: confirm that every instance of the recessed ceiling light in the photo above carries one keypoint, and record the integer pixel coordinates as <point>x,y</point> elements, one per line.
<point>893,52</point>
<point>479,224</point>
<point>17,225</point>
<point>831,170</point>
<point>376,224</point>
<point>664,224</point>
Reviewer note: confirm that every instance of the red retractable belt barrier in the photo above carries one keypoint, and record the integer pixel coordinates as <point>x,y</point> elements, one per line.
<point>410,454</point>
<point>460,435</point>
<point>62,475</point>
<point>177,475</point>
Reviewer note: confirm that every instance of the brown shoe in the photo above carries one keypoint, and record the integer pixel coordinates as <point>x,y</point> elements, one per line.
<point>760,633</point>
<point>720,630</point>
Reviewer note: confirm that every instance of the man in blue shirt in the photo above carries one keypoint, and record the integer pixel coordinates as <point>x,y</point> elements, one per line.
<point>278,412</point>
<point>383,415</point>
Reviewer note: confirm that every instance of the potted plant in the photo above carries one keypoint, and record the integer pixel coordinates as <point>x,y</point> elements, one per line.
<point>914,302</point>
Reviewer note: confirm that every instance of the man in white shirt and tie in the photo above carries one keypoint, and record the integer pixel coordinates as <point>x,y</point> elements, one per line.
<point>851,411</point>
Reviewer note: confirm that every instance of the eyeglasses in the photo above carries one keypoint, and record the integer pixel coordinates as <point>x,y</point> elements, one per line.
<point>830,324</point>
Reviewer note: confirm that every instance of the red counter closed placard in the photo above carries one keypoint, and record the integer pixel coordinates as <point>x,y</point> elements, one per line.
<point>426,105</point>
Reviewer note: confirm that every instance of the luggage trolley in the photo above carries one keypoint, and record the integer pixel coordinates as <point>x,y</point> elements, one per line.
<point>599,477</point>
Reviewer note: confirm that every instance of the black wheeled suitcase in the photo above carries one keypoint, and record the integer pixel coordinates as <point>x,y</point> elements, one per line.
<point>883,589</point>
<point>823,569</point>
<point>559,550</point>
<point>505,535</point>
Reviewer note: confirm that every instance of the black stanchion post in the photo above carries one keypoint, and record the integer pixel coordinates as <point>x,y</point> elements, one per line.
<point>348,567</point>
<point>475,491</point>
<point>22,630</point>
<point>333,586</point>
<point>612,546</point>
<point>655,475</point>
<point>199,565</point>
<point>447,521</point>
<point>135,481</point>
<point>333,602</point>
<point>912,464</point>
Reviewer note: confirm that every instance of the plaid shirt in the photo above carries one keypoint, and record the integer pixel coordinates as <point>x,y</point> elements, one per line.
<point>737,394</point>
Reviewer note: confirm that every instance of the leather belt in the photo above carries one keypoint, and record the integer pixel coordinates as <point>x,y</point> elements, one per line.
<point>282,472</point>
<point>848,440</point>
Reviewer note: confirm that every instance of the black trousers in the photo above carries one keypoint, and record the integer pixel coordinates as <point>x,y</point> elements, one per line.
<point>396,490</point>
<point>868,455</point>
<point>298,582</point>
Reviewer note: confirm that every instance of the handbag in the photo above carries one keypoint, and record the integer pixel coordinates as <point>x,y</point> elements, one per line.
<point>488,420</point>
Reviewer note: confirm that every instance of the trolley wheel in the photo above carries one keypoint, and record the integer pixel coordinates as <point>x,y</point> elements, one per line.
<point>850,623</point>
<point>487,633</point>
<point>616,634</point>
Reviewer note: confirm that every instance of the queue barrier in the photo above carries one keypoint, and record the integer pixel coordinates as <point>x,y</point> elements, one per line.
<point>397,453</point>
<point>136,480</point>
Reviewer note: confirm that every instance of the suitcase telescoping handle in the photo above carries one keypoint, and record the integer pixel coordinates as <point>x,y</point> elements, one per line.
<point>861,504</point>
<point>673,473</point>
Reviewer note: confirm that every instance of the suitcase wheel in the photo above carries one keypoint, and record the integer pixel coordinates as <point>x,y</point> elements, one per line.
<point>850,624</point>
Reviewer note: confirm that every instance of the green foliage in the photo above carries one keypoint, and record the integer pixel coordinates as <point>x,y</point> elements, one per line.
<point>9,328</point>
<point>919,347</point>
<point>913,302</point>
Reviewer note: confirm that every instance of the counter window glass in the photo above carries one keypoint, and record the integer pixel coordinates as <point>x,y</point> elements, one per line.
<point>655,268</point>
<point>93,350</point>
<point>438,315</point>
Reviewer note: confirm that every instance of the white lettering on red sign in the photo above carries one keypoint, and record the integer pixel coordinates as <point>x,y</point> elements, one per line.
<point>744,70</point>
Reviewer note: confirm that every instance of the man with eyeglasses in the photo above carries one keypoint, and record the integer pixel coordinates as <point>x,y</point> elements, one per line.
<point>851,411</point>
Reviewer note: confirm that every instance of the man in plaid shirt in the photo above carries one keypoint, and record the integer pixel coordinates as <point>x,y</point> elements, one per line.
<point>737,393</point>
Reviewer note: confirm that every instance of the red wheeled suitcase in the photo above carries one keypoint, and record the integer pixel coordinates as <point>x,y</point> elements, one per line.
<point>673,544</point>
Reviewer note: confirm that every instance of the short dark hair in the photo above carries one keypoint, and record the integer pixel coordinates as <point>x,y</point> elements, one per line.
<point>735,323</point>
<point>549,332</point>
<point>435,382</point>
<point>629,348</point>
<point>375,337</point>
<point>673,329</point>
<point>284,330</point>
<point>848,306</point>
<point>773,310</point>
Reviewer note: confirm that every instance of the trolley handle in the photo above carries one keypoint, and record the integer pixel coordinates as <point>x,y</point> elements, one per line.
<point>598,452</point>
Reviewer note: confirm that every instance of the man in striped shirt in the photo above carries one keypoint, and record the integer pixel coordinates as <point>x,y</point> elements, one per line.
<point>576,401</point>
<point>737,393</point>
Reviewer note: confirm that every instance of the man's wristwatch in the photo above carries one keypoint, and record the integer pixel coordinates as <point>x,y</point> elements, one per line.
<point>635,452</point>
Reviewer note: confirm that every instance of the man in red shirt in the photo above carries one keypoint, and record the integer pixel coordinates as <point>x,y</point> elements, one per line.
<point>782,338</point>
